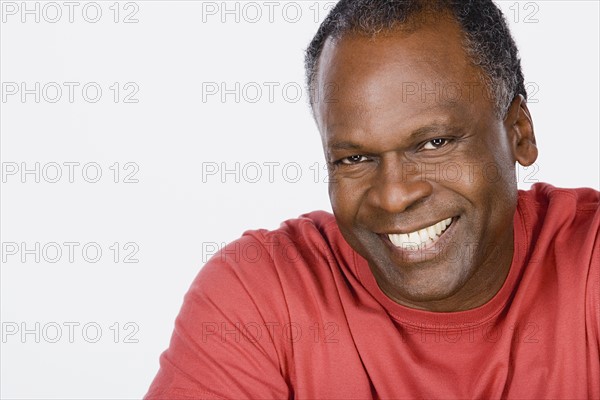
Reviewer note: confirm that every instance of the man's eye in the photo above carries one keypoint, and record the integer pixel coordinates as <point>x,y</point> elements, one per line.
<point>354,159</point>
<point>435,144</point>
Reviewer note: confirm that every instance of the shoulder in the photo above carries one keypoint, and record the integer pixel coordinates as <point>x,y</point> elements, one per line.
<point>561,210</point>
<point>268,258</point>
<point>544,193</point>
<point>563,225</point>
<point>563,228</point>
<point>568,219</point>
<point>309,236</point>
<point>297,235</point>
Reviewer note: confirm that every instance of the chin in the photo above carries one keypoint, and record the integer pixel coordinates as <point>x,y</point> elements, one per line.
<point>429,284</point>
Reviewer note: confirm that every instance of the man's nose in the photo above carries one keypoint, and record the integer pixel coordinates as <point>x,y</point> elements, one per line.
<point>398,186</point>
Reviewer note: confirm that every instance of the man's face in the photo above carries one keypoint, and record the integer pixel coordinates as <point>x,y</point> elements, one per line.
<point>422,169</point>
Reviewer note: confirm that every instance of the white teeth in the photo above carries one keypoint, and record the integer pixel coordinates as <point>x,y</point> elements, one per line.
<point>438,228</point>
<point>414,240</point>
<point>414,237</point>
<point>431,231</point>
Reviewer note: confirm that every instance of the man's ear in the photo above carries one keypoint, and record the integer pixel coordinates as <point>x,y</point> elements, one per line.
<point>519,127</point>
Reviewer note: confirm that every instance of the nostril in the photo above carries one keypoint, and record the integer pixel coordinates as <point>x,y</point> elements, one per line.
<point>396,197</point>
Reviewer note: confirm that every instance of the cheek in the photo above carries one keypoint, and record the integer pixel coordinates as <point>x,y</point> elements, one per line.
<point>496,180</point>
<point>341,200</point>
<point>345,202</point>
<point>485,170</point>
<point>492,191</point>
<point>346,199</point>
<point>499,162</point>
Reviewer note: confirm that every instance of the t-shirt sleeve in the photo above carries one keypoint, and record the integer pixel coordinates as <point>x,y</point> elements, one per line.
<point>223,344</point>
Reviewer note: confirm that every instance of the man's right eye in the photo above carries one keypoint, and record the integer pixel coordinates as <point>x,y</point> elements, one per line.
<point>351,160</point>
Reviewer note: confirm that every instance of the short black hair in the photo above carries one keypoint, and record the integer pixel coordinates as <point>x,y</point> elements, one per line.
<point>487,39</point>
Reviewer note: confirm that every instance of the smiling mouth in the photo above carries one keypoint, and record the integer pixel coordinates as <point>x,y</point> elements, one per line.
<point>421,238</point>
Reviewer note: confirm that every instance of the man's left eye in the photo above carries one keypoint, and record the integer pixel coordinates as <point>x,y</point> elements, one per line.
<point>435,144</point>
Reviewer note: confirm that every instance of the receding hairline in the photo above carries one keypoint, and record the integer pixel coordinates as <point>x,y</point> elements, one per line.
<point>426,14</point>
<point>418,22</point>
<point>487,38</point>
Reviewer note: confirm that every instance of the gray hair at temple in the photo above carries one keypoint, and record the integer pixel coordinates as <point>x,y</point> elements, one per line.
<point>487,39</point>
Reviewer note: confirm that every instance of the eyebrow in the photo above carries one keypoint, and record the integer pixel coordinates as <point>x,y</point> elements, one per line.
<point>414,135</point>
<point>344,146</point>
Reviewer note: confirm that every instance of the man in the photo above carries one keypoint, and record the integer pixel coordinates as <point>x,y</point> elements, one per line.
<point>436,278</point>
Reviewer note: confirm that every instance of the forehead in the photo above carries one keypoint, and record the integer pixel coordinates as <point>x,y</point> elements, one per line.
<point>435,46</point>
<point>396,76</point>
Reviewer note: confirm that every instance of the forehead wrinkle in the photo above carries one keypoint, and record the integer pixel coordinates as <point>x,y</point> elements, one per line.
<point>429,115</point>
<point>365,97</point>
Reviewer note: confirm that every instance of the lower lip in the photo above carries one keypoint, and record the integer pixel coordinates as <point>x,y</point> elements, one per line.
<point>429,251</point>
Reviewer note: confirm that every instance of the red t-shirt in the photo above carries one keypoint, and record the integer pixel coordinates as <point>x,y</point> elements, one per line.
<point>296,313</point>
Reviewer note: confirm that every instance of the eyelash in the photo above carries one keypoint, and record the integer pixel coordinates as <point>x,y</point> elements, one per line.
<point>345,160</point>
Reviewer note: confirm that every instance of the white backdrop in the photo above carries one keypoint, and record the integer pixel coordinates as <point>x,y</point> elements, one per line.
<point>138,137</point>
